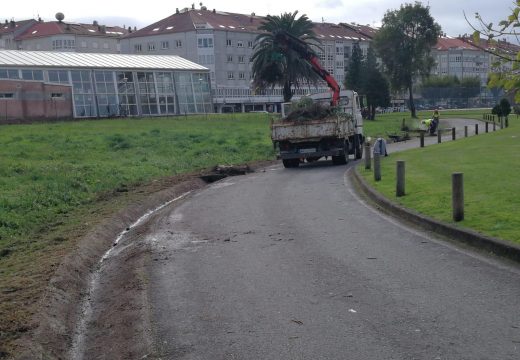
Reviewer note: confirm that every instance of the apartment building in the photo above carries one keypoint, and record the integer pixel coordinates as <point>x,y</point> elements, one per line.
<point>456,57</point>
<point>224,43</point>
<point>10,30</point>
<point>60,35</point>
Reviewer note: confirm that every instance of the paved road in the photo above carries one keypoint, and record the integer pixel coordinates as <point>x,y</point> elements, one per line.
<point>291,264</point>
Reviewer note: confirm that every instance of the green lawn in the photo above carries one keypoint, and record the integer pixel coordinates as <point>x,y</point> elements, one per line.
<point>391,123</point>
<point>55,179</point>
<point>491,167</point>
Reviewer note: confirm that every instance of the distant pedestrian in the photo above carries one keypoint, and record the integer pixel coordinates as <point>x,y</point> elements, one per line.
<point>380,147</point>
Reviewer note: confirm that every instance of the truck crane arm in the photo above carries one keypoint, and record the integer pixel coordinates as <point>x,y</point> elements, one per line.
<point>289,41</point>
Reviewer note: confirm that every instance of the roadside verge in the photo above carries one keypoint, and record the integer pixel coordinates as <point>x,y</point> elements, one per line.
<point>467,236</point>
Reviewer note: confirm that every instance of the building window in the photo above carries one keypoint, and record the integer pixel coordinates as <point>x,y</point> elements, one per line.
<point>230,75</point>
<point>105,46</point>
<point>84,103</point>
<point>95,45</point>
<point>241,75</point>
<point>178,43</point>
<point>165,45</point>
<point>250,44</point>
<point>205,42</point>
<point>241,59</point>
<point>6,96</point>
<point>138,48</point>
<point>228,42</point>
<point>106,93</point>
<point>9,74</point>
<point>56,44</point>
<point>126,92</point>
<point>69,44</point>
<point>32,75</point>
<point>206,59</point>
<point>230,58</point>
<point>165,92</point>
<point>240,43</point>
<point>57,96</point>
<point>58,76</point>
<point>151,46</point>
<point>147,93</point>
<point>83,44</point>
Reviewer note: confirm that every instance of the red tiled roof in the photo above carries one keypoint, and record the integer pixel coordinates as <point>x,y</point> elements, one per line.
<point>493,45</point>
<point>447,43</point>
<point>363,30</point>
<point>195,18</point>
<point>190,20</point>
<point>41,29</point>
<point>328,31</point>
<point>6,28</point>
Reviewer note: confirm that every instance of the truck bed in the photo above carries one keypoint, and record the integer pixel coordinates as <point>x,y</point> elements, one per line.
<point>313,129</point>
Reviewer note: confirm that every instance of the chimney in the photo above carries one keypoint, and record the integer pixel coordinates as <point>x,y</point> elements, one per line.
<point>214,11</point>
<point>130,29</point>
<point>95,23</point>
<point>177,11</point>
<point>193,6</point>
<point>12,24</point>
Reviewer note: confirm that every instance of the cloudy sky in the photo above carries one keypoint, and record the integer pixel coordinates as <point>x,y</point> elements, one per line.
<point>448,13</point>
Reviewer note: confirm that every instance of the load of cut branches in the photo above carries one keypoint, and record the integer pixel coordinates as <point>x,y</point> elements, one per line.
<point>306,110</point>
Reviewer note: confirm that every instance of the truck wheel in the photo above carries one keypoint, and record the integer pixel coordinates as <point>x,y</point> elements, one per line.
<point>358,151</point>
<point>341,159</point>
<point>290,163</point>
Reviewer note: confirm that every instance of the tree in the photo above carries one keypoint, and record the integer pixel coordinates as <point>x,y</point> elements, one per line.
<point>450,87</point>
<point>404,43</point>
<point>275,64</point>
<point>354,78</point>
<point>506,75</point>
<point>375,86</point>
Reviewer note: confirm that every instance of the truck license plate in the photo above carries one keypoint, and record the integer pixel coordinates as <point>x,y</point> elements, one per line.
<point>306,151</point>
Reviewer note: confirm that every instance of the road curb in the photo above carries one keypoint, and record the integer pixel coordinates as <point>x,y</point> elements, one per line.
<point>469,237</point>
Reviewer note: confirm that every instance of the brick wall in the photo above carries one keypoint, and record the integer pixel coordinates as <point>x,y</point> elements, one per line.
<point>29,101</point>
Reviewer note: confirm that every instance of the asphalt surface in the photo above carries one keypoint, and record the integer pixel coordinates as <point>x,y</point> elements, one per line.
<point>292,264</point>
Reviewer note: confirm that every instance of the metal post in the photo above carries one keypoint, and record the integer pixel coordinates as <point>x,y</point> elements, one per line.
<point>439,136</point>
<point>457,196</point>
<point>501,122</point>
<point>453,134</point>
<point>494,126</point>
<point>422,138</point>
<point>466,131</point>
<point>476,129</point>
<point>368,161</point>
<point>487,127</point>
<point>377,167</point>
<point>400,171</point>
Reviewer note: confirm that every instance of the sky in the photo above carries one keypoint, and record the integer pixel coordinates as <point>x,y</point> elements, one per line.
<point>448,13</point>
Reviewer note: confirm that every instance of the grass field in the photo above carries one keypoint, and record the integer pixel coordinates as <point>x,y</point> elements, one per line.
<point>390,123</point>
<point>53,178</point>
<point>491,166</point>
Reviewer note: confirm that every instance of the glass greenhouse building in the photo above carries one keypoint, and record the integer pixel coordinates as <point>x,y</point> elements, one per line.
<point>101,85</point>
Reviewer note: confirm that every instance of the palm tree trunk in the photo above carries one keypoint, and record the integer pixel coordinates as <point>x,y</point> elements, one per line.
<point>287,93</point>
<point>412,105</point>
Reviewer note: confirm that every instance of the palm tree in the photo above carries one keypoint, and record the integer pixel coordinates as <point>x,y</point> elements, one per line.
<point>274,63</point>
